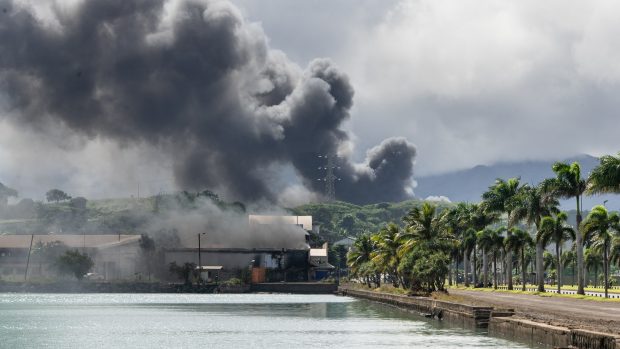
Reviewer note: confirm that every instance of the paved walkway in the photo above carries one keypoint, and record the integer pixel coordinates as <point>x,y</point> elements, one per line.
<point>603,316</point>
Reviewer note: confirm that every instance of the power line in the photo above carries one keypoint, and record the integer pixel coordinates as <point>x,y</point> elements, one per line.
<point>330,177</point>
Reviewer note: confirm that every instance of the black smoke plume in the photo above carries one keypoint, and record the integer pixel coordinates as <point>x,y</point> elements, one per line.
<point>195,80</point>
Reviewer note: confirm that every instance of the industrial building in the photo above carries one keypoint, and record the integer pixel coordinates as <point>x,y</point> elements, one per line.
<point>31,256</point>
<point>274,248</point>
<point>270,248</point>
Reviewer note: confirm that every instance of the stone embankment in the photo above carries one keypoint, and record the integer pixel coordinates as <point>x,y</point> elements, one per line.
<point>500,322</point>
<point>467,315</point>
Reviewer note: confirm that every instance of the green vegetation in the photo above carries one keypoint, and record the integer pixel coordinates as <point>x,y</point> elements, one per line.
<point>600,225</point>
<point>74,262</point>
<point>510,218</point>
<point>414,257</point>
<point>341,219</point>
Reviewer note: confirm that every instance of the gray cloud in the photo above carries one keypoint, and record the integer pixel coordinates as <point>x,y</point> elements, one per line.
<point>471,82</point>
<point>196,81</point>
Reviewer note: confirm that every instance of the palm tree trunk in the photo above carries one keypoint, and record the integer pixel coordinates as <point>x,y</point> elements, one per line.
<point>579,247</point>
<point>494,270</point>
<point>465,267</point>
<point>559,266</point>
<point>456,271</point>
<point>509,261</point>
<point>573,282</point>
<point>596,275</point>
<point>485,267</point>
<point>523,268</point>
<point>540,268</point>
<point>606,272</point>
<point>450,274</point>
<point>473,269</point>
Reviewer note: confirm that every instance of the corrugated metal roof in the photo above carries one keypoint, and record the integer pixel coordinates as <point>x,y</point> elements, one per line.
<point>71,240</point>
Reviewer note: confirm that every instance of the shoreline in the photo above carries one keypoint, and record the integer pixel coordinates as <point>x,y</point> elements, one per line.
<point>157,287</point>
<point>500,322</point>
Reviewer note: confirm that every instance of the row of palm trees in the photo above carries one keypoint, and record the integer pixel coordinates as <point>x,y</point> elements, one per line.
<point>415,256</point>
<point>472,230</point>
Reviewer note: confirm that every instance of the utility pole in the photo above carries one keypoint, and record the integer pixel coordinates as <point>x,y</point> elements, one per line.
<point>199,259</point>
<point>28,260</point>
<point>330,178</point>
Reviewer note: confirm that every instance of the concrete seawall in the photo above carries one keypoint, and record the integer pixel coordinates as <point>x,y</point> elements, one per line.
<point>466,315</point>
<point>500,323</point>
<point>555,336</point>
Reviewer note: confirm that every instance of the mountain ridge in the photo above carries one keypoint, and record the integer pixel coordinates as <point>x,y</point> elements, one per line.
<point>469,184</point>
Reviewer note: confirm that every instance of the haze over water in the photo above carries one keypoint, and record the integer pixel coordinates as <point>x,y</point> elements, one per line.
<point>221,321</point>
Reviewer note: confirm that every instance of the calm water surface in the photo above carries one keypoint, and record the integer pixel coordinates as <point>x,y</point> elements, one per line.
<point>221,321</point>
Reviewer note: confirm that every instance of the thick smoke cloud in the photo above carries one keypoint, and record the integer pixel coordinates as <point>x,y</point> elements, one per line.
<point>196,81</point>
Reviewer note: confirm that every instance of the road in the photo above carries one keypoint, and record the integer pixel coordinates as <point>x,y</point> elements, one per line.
<point>601,316</point>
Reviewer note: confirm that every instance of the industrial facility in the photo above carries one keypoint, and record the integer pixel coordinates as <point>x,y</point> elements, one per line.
<point>275,248</point>
<point>268,248</point>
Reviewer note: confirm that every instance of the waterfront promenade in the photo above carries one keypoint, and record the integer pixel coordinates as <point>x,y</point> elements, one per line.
<point>573,313</point>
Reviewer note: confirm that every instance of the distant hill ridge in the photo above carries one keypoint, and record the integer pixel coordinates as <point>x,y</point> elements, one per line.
<point>468,185</point>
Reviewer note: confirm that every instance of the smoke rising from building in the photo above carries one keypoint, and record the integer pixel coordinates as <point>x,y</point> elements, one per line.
<point>196,81</point>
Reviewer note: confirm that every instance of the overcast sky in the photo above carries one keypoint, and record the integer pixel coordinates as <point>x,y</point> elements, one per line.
<point>468,82</point>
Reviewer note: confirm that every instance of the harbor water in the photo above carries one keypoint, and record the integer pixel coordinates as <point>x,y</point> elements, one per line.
<point>222,321</point>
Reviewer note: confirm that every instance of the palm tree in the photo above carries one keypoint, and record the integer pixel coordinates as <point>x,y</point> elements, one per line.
<point>386,251</point>
<point>556,230</point>
<point>468,242</point>
<point>455,221</point>
<point>530,206</point>
<point>614,253</point>
<point>549,261</point>
<point>569,259</point>
<point>424,226</point>
<point>491,241</point>
<point>605,178</point>
<point>567,184</point>
<point>478,219</point>
<point>517,242</point>
<point>593,260</point>
<point>501,198</point>
<point>600,224</point>
<point>360,254</point>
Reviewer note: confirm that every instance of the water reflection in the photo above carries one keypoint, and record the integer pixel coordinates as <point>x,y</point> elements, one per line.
<point>231,321</point>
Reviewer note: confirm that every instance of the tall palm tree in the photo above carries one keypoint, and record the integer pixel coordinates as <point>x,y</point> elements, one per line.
<point>593,260</point>
<point>601,225</point>
<point>518,242</point>
<point>468,242</point>
<point>360,254</point>
<point>491,241</point>
<point>386,251</point>
<point>605,178</point>
<point>568,184</point>
<point>556,230</point>
<point>479,218</point>
<point>500,198</point>
<point>455,221</point>
<point>530,206</point>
